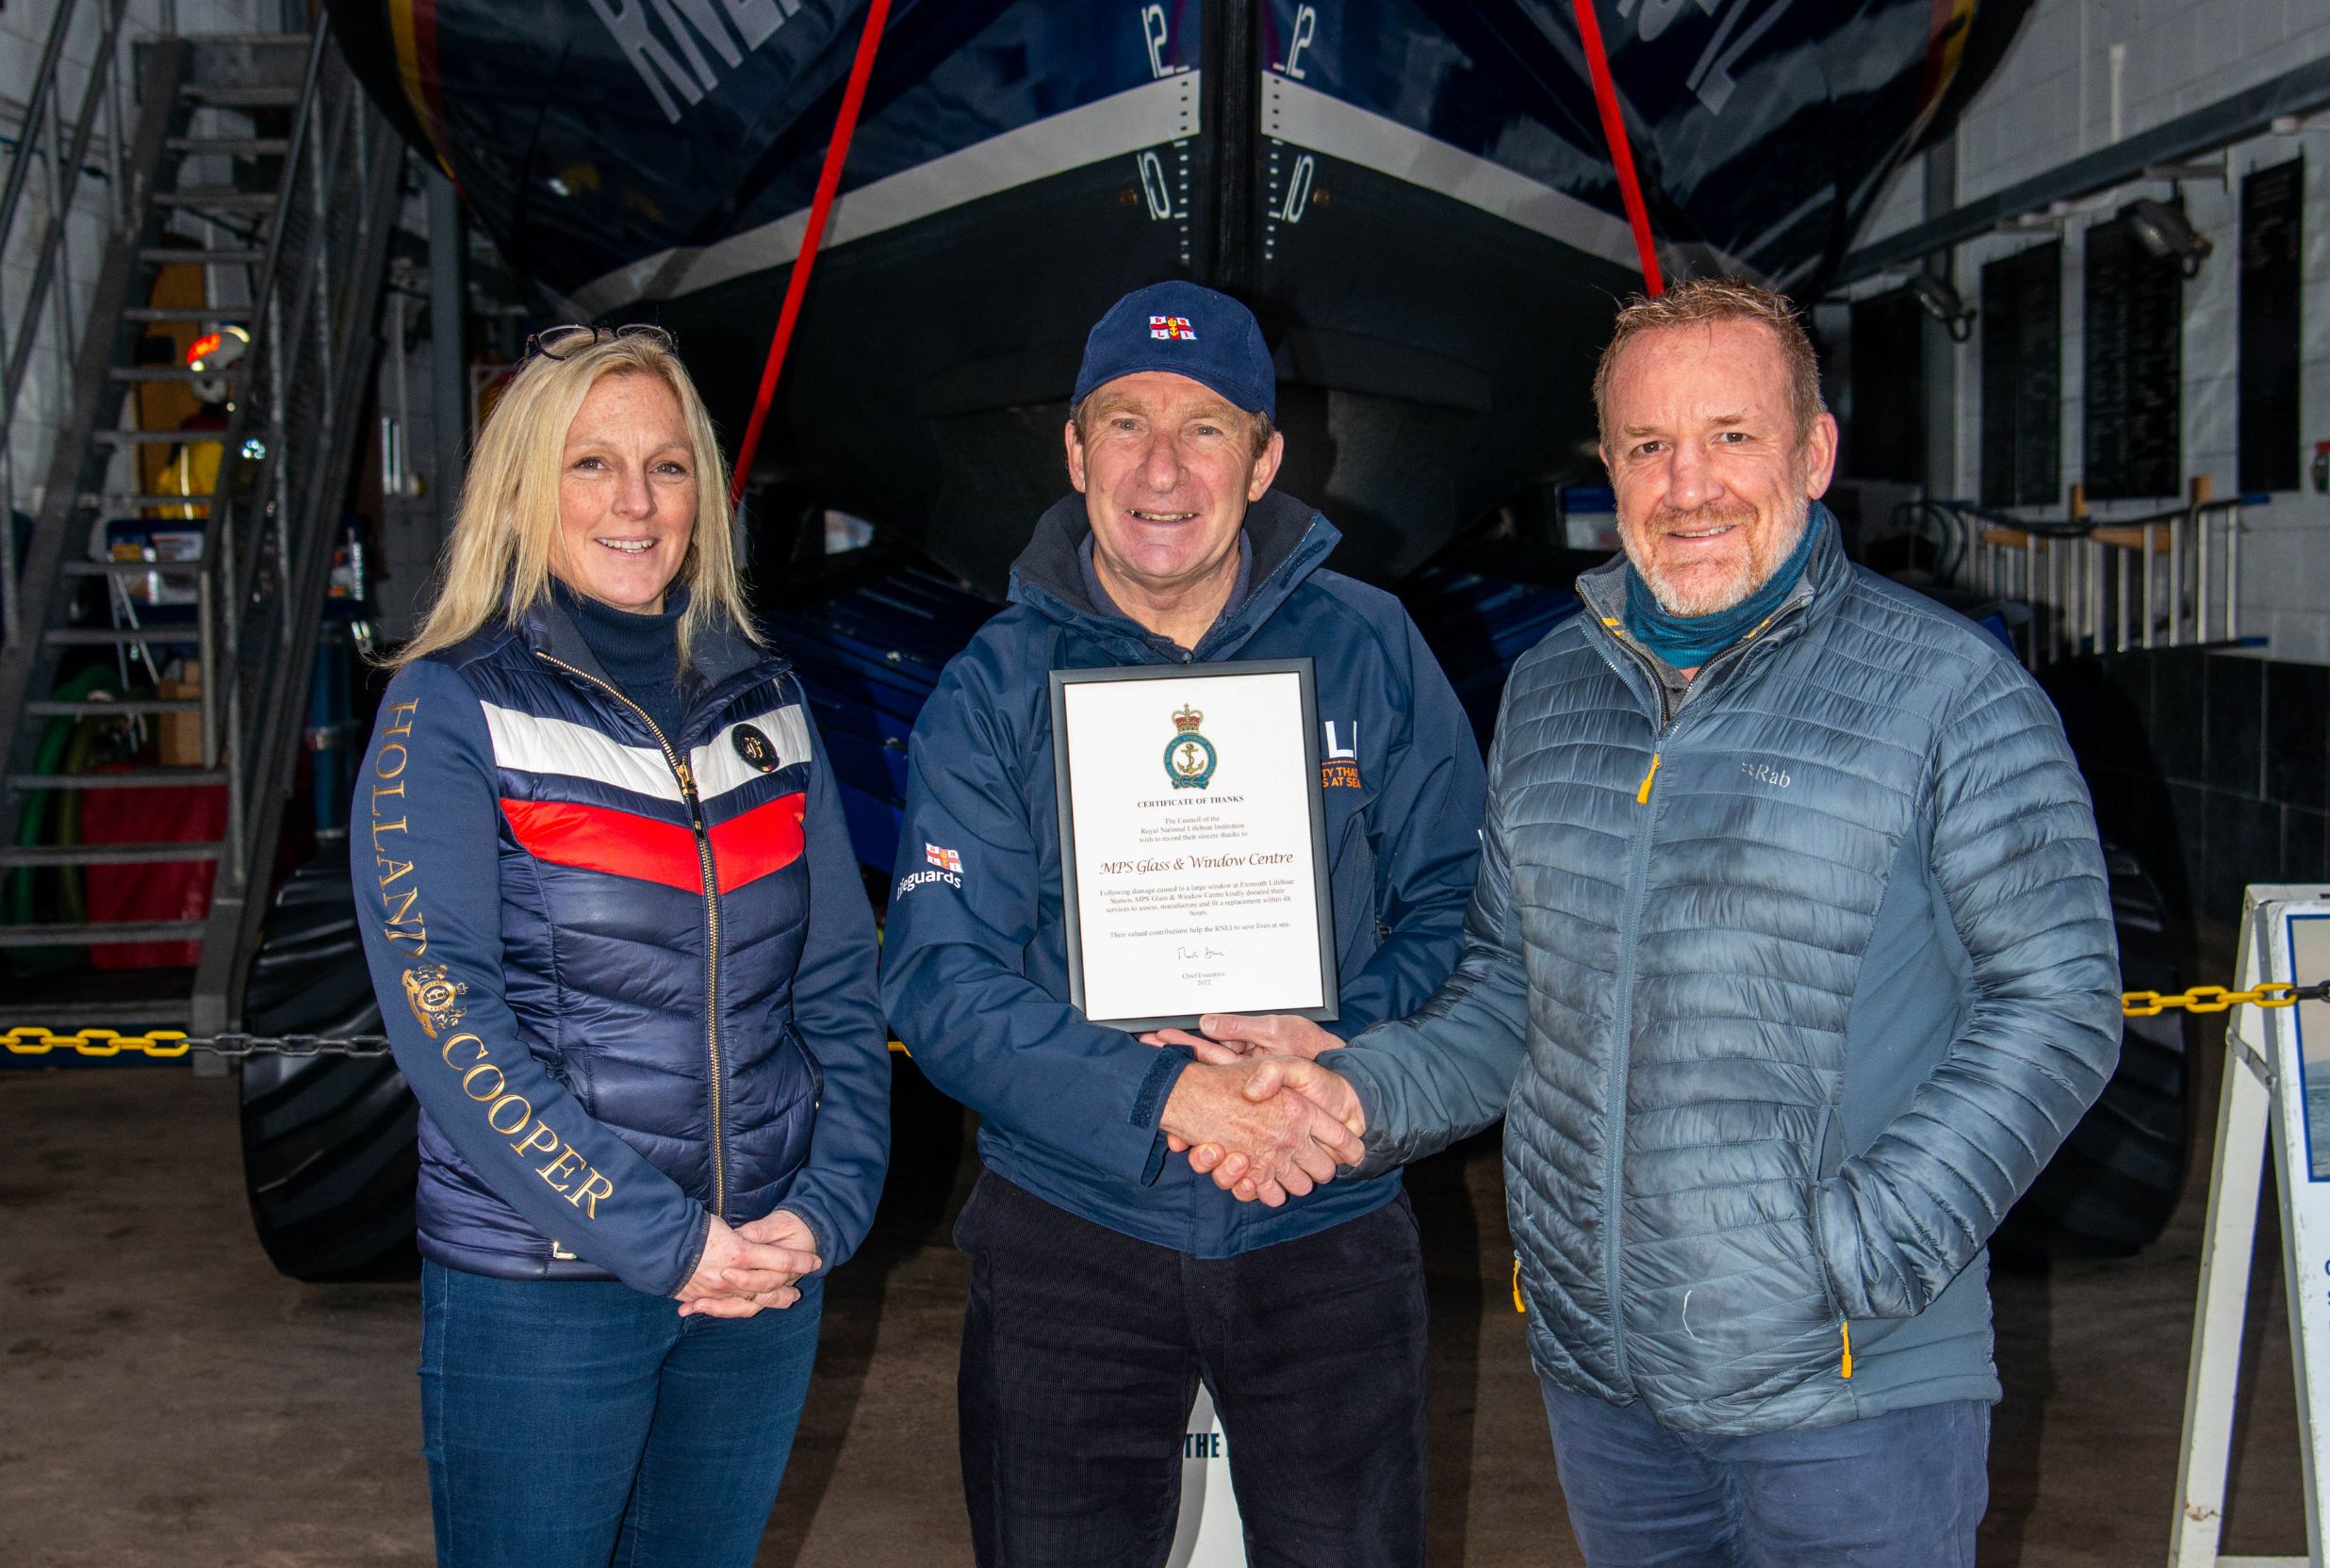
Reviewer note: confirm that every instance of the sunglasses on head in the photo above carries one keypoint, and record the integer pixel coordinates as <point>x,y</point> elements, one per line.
<point>562,342</point>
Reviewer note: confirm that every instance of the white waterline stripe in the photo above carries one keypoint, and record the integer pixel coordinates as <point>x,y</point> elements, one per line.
<point>1150,115</point>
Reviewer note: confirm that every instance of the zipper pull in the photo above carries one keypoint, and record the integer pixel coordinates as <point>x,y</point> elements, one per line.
<point>687,779</point>
<point>1642,797</point>
<point>1518,1305</point>
<point>1845,1369</point>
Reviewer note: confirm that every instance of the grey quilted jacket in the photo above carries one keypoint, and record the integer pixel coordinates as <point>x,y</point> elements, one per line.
<point>1784,997</point>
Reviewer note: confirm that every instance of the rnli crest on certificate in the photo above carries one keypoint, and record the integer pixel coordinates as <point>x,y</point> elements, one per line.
<point>1189,757</point>
<point>432,994</point>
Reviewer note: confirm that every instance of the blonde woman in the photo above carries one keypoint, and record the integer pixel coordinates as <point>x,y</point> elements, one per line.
<point>628,967</point>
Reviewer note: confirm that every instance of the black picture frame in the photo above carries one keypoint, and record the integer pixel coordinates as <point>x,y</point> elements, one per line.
<point>1330,978</point>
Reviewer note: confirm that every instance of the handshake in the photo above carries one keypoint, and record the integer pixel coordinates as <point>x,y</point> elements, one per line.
<point>1256,1111</point>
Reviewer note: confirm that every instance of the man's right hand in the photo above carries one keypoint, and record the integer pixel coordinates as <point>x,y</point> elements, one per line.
<point>1285,1143</point>
<point>1285,1078</point>
<point>1229,1037</point>
<point>736,1278</point>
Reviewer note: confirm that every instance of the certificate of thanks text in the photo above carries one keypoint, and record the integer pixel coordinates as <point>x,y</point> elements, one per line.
<point>1196,868</point>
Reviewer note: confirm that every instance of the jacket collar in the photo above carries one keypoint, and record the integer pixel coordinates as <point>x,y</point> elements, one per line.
<point>724,660</point>
<point>1290,541</point>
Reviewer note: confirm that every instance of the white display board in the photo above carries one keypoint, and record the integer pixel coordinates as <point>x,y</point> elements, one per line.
<point>1210,1534</point>
<point>2277,1095</point>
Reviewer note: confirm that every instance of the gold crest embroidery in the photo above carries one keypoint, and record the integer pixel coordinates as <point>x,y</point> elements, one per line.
<point>432,995</point>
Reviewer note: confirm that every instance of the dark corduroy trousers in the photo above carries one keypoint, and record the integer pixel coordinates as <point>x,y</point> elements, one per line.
<point>1083,1349</point>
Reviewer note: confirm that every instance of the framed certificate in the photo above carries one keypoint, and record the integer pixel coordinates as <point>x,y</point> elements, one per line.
<point>1193,842</point>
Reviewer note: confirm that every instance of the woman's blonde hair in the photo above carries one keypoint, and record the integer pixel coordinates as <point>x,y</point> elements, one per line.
<point>498,559</point>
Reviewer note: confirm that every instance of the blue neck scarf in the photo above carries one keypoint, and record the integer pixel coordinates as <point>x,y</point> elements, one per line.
<point>1687,642</point>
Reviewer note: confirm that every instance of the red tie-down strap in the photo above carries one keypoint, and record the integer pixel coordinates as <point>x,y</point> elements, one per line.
<point>828,182</point>
<point>1622,155</point>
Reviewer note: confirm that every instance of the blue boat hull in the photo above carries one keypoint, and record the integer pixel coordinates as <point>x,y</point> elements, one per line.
<point>1415,195</point>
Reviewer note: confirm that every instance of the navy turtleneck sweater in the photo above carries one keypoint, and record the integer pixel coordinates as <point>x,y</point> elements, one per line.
<point>640,653</point>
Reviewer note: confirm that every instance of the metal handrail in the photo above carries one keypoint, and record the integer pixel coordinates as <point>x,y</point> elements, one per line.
<point>273,517</point>
<point>2086,592</point>
<point>224,559</point>
<point>2075,527</point>
<point>65,174</point>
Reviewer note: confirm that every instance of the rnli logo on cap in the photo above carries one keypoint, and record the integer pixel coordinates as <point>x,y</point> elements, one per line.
<point>1173,326</point>
<point>755,747</point>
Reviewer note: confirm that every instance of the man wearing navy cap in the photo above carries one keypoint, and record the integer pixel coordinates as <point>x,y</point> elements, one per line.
<point>1107,1279</point>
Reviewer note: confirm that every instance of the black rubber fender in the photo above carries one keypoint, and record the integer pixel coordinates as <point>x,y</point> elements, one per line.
<point>330,1143</point>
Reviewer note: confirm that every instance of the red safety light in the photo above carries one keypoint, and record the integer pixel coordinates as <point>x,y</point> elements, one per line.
<point>204,347</point>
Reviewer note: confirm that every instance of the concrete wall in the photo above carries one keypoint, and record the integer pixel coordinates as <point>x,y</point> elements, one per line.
<point>2084,74</point>
<point>24,34</point>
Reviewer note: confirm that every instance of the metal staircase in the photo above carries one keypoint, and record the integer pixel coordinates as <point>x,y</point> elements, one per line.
<point>258,159</point>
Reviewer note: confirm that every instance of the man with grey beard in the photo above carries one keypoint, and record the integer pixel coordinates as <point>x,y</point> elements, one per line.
<point>1788,965</point>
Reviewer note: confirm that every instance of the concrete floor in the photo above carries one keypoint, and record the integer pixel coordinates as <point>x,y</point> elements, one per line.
<point>166,1398</point>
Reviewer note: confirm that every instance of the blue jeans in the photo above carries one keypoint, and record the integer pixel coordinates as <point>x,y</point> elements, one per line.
<point>1903,1489</point>
<point>575,1424</point>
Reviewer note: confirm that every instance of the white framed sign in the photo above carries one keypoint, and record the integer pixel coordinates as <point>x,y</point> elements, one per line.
<point>2278,1096</point>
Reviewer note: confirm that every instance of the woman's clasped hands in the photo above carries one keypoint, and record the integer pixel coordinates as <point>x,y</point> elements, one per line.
<point>746,1269</point>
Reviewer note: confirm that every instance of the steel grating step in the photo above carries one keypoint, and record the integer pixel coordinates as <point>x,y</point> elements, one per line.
<point>231,146</point>
<point>178,313</point>
<point>134,568</point>
<point>108,854</point>
<point>241,95</point>
<point>119,637</point>
<point>120,931</point>
<point>128,778</point>
<point>144,437</point>
<point>216,198</point>
<point>113,500</point>
<point>125,707</point>
<point>166,373</point>
<point>166,256</point>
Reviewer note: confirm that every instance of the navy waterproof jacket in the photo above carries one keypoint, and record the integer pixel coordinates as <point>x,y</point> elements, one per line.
<point>629,975</point>
<point>1785,996</point>
<point>974,958</point>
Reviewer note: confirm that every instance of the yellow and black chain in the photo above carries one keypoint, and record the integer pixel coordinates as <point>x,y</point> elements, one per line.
<point>33,1040</point>
<point>2216,998</point>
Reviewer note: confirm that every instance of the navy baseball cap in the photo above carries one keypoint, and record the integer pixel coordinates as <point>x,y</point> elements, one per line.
<point>1189,331</point>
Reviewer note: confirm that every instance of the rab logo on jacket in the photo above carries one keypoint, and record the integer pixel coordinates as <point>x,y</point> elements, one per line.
<point>1339,764</point>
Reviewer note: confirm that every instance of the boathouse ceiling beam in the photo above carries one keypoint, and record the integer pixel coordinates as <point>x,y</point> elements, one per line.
<point>2252,112</point>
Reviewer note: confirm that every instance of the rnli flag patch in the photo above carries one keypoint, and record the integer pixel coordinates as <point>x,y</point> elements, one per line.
<point>945,860</point>
<point>1173,326</point>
